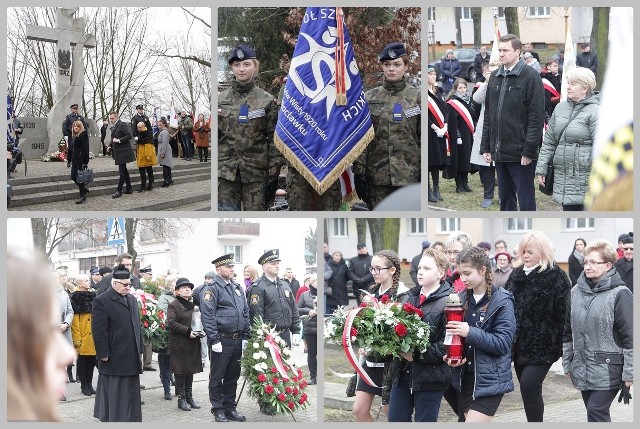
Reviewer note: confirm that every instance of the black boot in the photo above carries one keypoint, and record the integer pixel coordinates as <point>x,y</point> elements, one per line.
<point>432,198</point>
<point>143,180</point>
<point>182,397</point>
<point>70,374</point>
<point>465,182</point>
<point>459,187</point>
<point>436,192</point>
<point>150,175</point>
<point>167,391</point>
<point>188,388</point>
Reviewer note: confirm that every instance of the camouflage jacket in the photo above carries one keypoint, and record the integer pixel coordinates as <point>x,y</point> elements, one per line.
<point>245,145</point>
<point>393,156</point>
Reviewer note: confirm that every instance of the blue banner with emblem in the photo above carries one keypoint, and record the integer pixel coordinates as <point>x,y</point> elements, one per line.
<point>323,120</point>
<point>11,136</point>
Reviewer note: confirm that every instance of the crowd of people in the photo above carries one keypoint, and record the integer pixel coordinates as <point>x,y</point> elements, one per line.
<point>136,142</point>
<point>511,137</point>
<point>96,323</point>
<point>249,163</point>
<point>520,307</point>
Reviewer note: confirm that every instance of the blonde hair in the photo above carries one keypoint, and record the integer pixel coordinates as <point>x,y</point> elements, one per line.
<point>440,258</point>
<point>253,272</point>
<point>538,243</point>
<point>605,249</point>
<point>582,76</point>
<point>170,282</point>
<point>28,338</point>
<point>460,237</point>
<point>73,133</point>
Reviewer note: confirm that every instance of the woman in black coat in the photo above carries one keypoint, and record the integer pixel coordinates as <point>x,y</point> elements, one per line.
<point>541,291</point>
<point>308,309</point>
<point>184,344</point>
<point>79,157</point>
<point>575,260</point>
<point>337,282</point>
<point>438,148</point>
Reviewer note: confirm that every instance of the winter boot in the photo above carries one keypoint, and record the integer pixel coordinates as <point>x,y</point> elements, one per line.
<point>432,198</point>
<point>182,397</point>
<point>189,392</point>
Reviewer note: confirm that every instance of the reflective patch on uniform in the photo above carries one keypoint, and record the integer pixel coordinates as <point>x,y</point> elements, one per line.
<point>207,296</point>
<point>255,298</point>
<point>412,111</point>
<point>286,293</point>
<point>257,113</point>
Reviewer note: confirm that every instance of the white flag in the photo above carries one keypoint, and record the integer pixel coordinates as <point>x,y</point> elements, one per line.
<point>569,63</point>
<point>173,116</point>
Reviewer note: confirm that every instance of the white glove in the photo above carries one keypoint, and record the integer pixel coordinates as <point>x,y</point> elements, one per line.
<point>295,339</point>
<point>244,344</point>
<point>216,348</point>
<point>135,138</point>
<point>66,139</point>
<point>115,140</point>
<point>459,141</point>
<point>440,132</point>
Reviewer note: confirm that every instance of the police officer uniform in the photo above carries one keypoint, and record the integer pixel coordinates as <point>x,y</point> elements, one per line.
<point>225,319</point>
<point>274,302</point>
<point>392,159</point>
<point>139,117</point>
<point>247,157</point>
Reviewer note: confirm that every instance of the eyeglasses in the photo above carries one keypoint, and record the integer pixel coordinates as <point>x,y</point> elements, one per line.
<point>124,284</point>
<point>377,269</point>
<point>452,252</point>
<point>585,263</point>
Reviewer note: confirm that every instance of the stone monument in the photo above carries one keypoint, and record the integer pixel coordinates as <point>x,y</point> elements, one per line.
<point>70,38</point>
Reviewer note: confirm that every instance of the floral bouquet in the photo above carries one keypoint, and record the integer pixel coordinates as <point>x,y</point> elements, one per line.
<point>334,325</point>
<point>153,321</point>
<point>59,155</point>
<point>271,378</point>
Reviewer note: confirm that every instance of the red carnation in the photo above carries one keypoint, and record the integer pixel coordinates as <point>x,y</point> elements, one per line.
<point>400,329</point>
<point>353,332</point>
<point>301,401</point>
<point>363,304</point>
<point>160,314</point>
<point>409,308</point>
<point>295,391</point>
<point>288,389</point>
<point>262,378</point>
<point>146,324</point>
<point>144,312</point>
<point>274,369</point>
<point>385,299</point>
<point>294,378</point>
<point>275,380</point>
<point>419,313</point>
<point>162,325</point>
<point>291,405</point>
<point>304,396</point>
<point>282,397</point>
<point>299,373</point>
<point>268,389</point>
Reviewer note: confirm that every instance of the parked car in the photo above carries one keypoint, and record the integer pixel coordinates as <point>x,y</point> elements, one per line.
<point>465,57</point>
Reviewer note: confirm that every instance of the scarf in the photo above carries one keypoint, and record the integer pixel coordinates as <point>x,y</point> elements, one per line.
<point>579,256</point>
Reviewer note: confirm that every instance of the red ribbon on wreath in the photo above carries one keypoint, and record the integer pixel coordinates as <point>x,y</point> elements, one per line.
<point>276,355</point>
<point>348,347</point>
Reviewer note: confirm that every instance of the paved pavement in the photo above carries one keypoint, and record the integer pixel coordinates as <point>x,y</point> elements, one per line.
<point>79,408</point>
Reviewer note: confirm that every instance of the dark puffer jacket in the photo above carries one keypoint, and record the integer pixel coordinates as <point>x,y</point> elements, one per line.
<point>540,304</point>
<point>492,342</point>
<point>338,283</point>
<point>428,370</point>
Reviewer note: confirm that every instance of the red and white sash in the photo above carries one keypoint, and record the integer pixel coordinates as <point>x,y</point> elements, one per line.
<point>439,118</point>
<point>549,87</point>
<point>462,109</point>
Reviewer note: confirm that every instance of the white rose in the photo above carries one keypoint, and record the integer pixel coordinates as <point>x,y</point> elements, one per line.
<point>257,367</point>
<point>256,355</point>
<point>256,345</point>
<point>263,365</point>
<point>263,355</point>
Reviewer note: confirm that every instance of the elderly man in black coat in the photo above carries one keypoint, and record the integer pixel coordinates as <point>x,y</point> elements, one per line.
<point>118,339</point>
<point>122,152</point>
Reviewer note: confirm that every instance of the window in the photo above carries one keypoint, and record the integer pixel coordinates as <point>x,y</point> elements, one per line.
<point>501,12</point>
<point>519,224</point>
<point>431,14</point>
<point>466,13</point>
<point>580,224</point>
<point>417,226</point>
<point>237,252</point>
<point>449,224</point>
<point>538,12</point>
<point>85,265</point>
<point>107,261</point>
<point>339,227</point>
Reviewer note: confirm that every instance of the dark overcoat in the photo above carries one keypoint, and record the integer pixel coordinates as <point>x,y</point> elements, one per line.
<point>115,323</point>
<point>185,351</point>
<point>122,152</point>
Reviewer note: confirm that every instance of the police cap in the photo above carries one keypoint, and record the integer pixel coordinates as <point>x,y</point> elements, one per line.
<point>241,53</point>
<point>269,256</point>
<point>146,270</point>
<point>95,270</point>
<point>223,260</point>
<point>392,51</point>
<point>139,106</point>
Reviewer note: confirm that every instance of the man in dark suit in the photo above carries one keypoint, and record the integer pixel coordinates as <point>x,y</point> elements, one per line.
<point>122,152</point>
<point>115,325</point>
<point>225,319</point>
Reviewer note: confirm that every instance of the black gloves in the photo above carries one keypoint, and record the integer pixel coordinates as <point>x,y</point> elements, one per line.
<point>362,188</point>
<point>270,189</point>
<point>68,163</point>
<point>625,395</point>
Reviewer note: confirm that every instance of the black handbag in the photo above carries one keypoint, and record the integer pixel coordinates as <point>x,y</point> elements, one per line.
<point>85,176</point>
<point>351,386</point>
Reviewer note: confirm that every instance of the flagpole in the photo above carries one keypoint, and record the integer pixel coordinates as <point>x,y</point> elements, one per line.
<point>566,21</point>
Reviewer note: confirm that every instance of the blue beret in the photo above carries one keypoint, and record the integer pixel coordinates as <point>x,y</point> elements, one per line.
<point>241,53</point>
<point>392,51</point>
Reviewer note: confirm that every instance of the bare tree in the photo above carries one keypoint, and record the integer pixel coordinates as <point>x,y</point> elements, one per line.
<point>600,39</point>
<point>193,78</point>
<point>476,15</point>
<point>511,19</point>
<point>48,233</point>
<point>458,16</point>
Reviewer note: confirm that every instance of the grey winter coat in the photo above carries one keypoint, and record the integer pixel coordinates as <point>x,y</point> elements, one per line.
<point>164,149</point>
<point>305,305</point>
<point>598,333</point>
<point>66,311</point>
<point>570,154</point>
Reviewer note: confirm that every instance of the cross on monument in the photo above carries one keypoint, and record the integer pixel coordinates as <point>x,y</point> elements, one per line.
<point>69,33</point>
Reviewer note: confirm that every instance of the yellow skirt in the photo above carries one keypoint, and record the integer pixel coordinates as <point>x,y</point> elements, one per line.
<point>146,155</point>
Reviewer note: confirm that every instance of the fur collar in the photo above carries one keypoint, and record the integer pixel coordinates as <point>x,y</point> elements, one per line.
<point>81,301</point>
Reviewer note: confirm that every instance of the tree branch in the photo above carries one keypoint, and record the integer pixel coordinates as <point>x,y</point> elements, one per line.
<point>189,57</point>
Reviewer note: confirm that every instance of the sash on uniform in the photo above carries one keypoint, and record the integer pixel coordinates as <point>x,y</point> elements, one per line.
<point>318,136</point>
<point>439,118</point>
<point>549,87</point>
<point>464,113</point>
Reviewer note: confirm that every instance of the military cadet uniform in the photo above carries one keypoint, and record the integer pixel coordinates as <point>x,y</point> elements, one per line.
<point>139,118</point>
<point>247,118</point>
<point>392,159</point>
<point>225,319</point>
<point>274,302</point>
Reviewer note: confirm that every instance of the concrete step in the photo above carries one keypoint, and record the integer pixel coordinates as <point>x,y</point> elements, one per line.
<point>334,397</point>
<point>106,186</point>
<point>200,206</point>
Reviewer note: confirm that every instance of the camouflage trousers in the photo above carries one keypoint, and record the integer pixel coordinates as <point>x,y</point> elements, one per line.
<point>380,192</point>
<point>235,195</point>
<point>302,197</point>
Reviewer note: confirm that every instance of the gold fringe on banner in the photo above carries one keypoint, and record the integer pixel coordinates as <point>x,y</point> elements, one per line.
<point>340,61</point>
<point>321,186</point>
